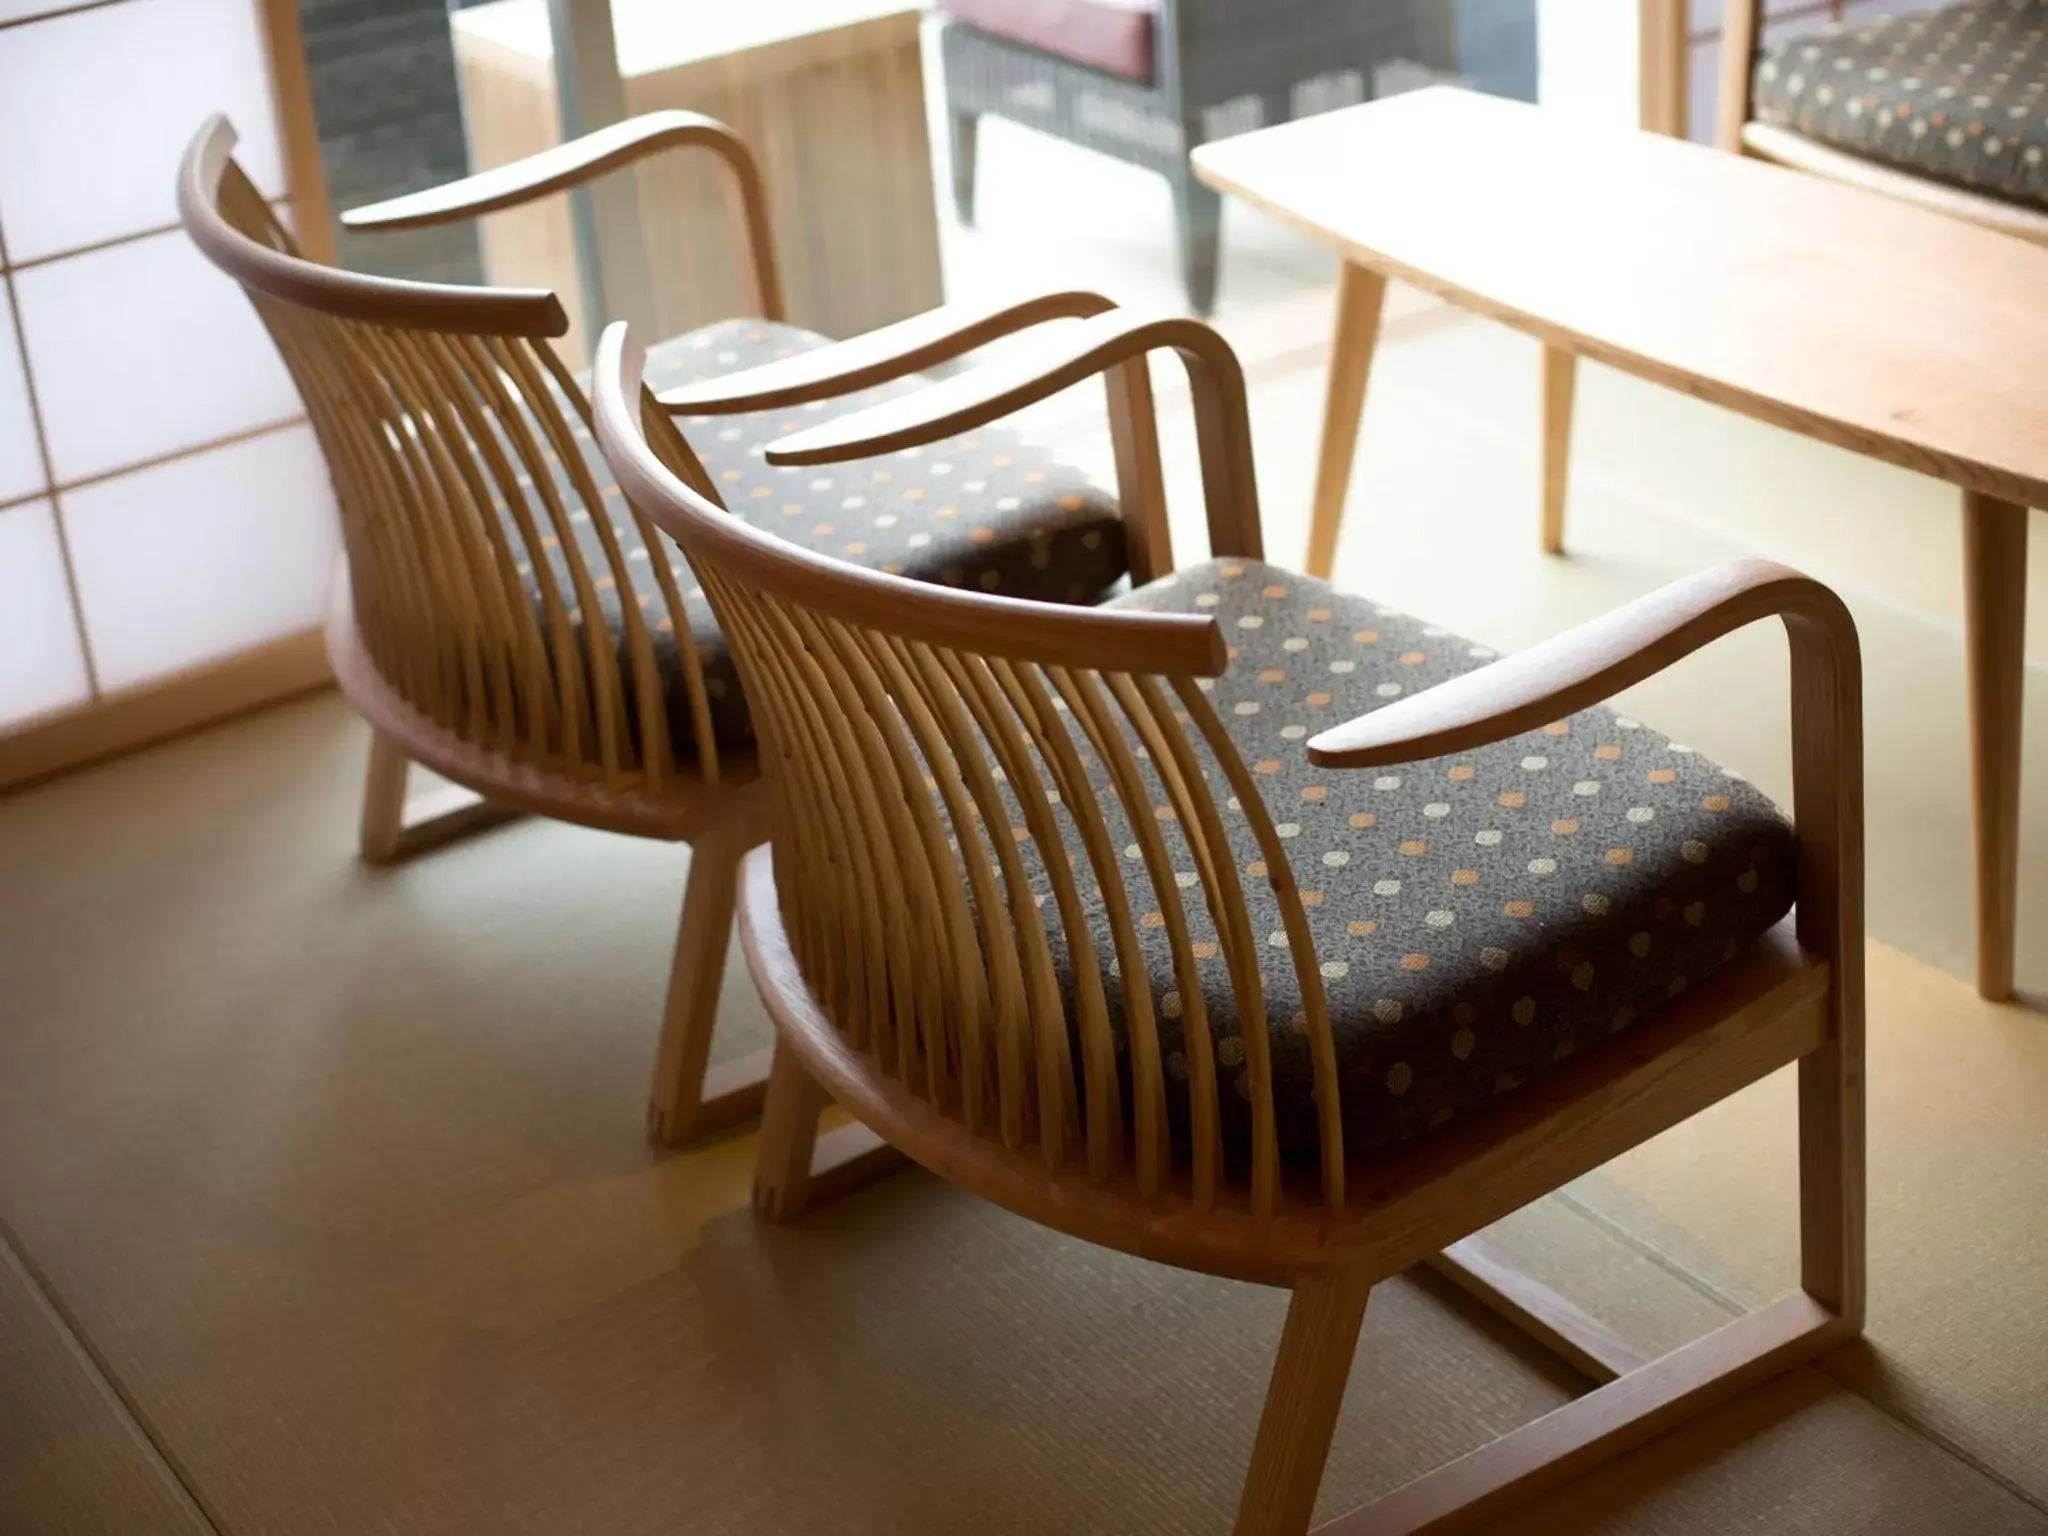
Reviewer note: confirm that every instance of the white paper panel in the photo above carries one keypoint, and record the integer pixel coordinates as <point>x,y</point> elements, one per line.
<point>200,558</point>
<point>21,463</point>
<point>96,108</point>
<point>141,350</point>
<point>40,665</point>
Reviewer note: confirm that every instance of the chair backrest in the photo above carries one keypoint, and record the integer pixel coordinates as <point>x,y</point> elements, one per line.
<point>926,749</point>
<point>455,438</point>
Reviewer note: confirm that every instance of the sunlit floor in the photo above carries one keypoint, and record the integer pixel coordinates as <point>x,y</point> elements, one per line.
<point>326,1205</point>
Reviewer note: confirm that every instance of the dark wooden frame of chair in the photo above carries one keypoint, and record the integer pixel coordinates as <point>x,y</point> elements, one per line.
<point>864,681</point>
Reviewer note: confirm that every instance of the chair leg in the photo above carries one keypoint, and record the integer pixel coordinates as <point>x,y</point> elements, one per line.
<point>789,1137</point>
<point>678,1107</point>
<point>1302,1403</point>
<point>966,139</point>
<point>383,825</point>
<point>1198,215</point>
<point>395,827</point>
<point>1560,374</point>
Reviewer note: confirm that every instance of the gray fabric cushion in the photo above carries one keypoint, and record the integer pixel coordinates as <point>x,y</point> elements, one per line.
<point>1477,919</point>
<point>1958,95</point>
<point>984,510</point>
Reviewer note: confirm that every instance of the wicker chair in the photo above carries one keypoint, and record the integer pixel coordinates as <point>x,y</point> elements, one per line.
<point>1072,908</point>
<point>1148,80</point>
<point>509,621</point>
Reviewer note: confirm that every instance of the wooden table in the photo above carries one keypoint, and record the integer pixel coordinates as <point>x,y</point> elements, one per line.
<point>829,94</point>
<point>1863,322</point>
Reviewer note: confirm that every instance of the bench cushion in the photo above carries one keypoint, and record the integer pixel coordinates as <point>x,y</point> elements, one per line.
<point>985,510</point>
<point>1958,95</point>
<point>1478,918</point>
<point>1115,36</point>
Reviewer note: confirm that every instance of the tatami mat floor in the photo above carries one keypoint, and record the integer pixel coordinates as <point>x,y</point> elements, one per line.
<point>326,1206</point>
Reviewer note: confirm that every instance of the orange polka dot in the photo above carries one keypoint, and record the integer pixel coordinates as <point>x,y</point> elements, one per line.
<point>1318,615</point>
<point>1266,765</point>
<point>1519,908</point>
<point>1317,700</point>
<point>1208,949</point>
<point>946,512</point>
<point>1361,818</point>
<point>759,491</point>
<point>1035,477</point>
<point>915,493</point>
<point>1359,930</point>
<point>1164,813</point>
<point>1152,920</point>
<point>1564,828</point>
<point>1413,658</point>
<point>1461,773</point>
<point>1619,856</point>
<point>1557,728</point>
<point>1256,868</point>
<point>1021,834</point>
<point>1366,636</point>
<point>880,477</point>
<point>1464,877</point>
<point>1714,803</point>
<point>981,535</point>
<point>1314,792</point>
<point>1414,848</point>
<point>824,528</point>
<point>1071,503</point>
<point>1513,799</point>
<point>1662,775</point>
<point>1272,592</point>
<point>1002,460</point>
<point>1271,675</point>
<point>1311,898</point>
<point>793,510</point>
<point>1414,962</point>
<point>730,474</point>
<point>856,548</point>
<point>1607,754</point>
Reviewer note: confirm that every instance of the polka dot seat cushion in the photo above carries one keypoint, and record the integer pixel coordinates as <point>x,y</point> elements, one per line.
<point>1958,95</point>
<point>984,510</point>
<point>1477,918</point>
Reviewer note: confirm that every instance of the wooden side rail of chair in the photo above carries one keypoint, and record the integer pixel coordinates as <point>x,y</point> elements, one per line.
<point>584,159</point>
<point>880,356</point>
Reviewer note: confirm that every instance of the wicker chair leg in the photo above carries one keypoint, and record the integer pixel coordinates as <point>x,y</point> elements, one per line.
<point>966,139</point>
<point>1198,214</point>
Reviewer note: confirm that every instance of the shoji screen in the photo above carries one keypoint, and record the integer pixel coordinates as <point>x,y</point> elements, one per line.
<point>166,528</point>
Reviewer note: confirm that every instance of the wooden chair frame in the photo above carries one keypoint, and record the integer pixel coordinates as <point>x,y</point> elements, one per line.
<point>443,413</point>
<point>900,949</point>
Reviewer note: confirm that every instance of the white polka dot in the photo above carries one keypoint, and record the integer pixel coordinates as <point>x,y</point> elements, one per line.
<point>1185,878</point>
<point>939,469</point>
<point>853,503</point>
<point>918,540</point>
<point>1387,781</point>
<point>974,485</point>
<point>1294,643</point>
<point>1287,829</point>
<point>1436,810</point>
<point>1640,814</point>
<point>1169,1005</point>
<point>1250,621</point>
<point>1490,838</point>
<point>1388,690</point>
<point>1535,764</point>
<point>1386,888</point>
<point>1206,600</point>
<point>729,435</point>
<point>1586,787</point>
<point>1441,918</point>
<point>1543,866</point>
<point>1007,503</point>
<point>1277,939</point>
<point>1334,969</point>
<point>1342,667</point>
<point>1133,851</point>
<point>1246,708</point>
<point>1336,858</point>
<point>1293,732</point>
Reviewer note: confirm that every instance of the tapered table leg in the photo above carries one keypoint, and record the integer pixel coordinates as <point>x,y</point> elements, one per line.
<point>1995,616</point>
<point>1355,334</point>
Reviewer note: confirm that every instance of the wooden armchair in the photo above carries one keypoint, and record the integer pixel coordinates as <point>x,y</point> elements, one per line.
<point>508,620</point>
<point>1115,918</point>
<point>1942,108</point>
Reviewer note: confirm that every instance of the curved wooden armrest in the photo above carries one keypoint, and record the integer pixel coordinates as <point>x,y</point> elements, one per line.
<point>1116,345</point>
<point>555,169</point>
<point>1584,665</point>
<point>893,351</point>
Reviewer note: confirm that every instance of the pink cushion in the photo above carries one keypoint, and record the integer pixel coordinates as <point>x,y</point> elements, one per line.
<point>1110,35</point>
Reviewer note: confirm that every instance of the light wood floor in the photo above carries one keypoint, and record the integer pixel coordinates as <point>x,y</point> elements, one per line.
<point>325,1206</point>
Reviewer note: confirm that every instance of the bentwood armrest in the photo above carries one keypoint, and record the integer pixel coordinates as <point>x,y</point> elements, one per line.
<point>588,157</point>
<point>555,169</point>
<point>879,356</point>
<point>1584,665</point>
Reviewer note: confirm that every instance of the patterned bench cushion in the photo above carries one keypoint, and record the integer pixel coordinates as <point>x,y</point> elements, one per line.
<point>984,510</point>
<point>1478,918</point>
<point>1958,95</point>
<point>1114,36</point>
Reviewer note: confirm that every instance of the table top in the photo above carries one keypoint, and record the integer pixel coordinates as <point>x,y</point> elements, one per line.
<point>1859,320</point>
<point>657,35</point>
